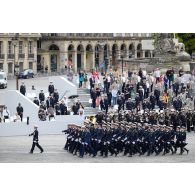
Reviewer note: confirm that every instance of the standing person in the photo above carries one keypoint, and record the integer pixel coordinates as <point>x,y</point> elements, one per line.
<point>81,79</point>
<point>50,112</point>
<point>92,82</point>
<point>51,88</point>
<point>85,79</point>
<point>166,82</point>
<point>56,96</point>
<point>41,96</point>
<point>36,101</point>
<point>157,75</point>
<point>108,82</point>
<point>63,108</point>
<point>35,135</point>
<point>6,113</point>
<point>172,72</point>
<point>23,89</point>
<point>20,110</point>
<point>93,97</point>
<point>105,81</point>
<point>114,96</point>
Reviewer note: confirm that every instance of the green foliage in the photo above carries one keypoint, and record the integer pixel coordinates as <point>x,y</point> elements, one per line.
<point>189,41</point>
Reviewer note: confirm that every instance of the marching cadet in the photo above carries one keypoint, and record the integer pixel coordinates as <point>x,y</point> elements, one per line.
<point>189,120</point>
<point>161,118</point>
<point>181,140</point>
<point>35,135</point>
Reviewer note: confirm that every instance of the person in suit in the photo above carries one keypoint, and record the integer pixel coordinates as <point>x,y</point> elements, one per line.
<point>93,97</point>
<point>20,111</point>
<point>36,101</point>
<point>35,135</point>
<point>51,88</point>
<point>41,96</point>
<point>56,96</point>
<point>23,89</point>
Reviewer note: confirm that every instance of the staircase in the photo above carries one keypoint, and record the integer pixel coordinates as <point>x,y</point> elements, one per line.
<point>84,97</point>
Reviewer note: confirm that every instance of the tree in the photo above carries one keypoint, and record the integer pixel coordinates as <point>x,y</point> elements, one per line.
<point>189,41</point>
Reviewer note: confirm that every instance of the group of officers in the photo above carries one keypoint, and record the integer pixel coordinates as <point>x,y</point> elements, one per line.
<point>101,137</point>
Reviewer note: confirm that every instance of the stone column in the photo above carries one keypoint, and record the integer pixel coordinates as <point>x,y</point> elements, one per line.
<point>143,54</point>
<point>135,54</point>
<point>35,59</point>
<point>84,60</point>
<point>93,59</point>
<point>151,53</point>
<point>101,56</point>
<point>127,54</point>
<point>75,61</point>
<point>62,61</point>
<point>5,63</point>
<point>25,51</point>
<point>47,61</point>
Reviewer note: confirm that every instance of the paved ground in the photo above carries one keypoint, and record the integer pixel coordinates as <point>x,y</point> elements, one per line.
<point>38,82</point>
<point>15,150</point>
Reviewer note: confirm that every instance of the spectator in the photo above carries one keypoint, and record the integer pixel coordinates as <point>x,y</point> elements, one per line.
<point>36,101</point>
<point>50,112</point>
<point>81,79</point>
<point>51,88</point>
<point>42,114</point>
<point>63,108</point>
<point>6,113</point>
<point>20,111</point>
<point>157,75</point>
<point>17,118</point>
<point>41,96</point>
<point>23,89</point>
<point>56,96</point>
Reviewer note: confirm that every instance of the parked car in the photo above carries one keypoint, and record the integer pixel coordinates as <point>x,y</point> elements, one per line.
<point>28,73</point>
<point>3,79</point>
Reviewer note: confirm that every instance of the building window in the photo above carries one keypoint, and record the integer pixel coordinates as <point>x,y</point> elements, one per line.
<point>30,65</point>
<point>1,66</point>
<point>21,66</point>
<point>54,34</point>
<point>39,44</point>
<point>1,47</point>
<point>9,47</point>
<point>10,68</point>
<point>30,47</point>
<point>20,47</point>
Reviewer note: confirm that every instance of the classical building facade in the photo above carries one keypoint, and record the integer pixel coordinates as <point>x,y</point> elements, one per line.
<point>88,50</point>
<point>55,51</point>
<point>18,48</point>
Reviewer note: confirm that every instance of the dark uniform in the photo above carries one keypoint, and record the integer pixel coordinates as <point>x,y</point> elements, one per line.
<point>23,89</point>
<point>35,135</point>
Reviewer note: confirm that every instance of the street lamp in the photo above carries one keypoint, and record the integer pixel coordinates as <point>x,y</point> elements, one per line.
<point>16,70</point>
<point>123,53</point>
<point>16,66</point>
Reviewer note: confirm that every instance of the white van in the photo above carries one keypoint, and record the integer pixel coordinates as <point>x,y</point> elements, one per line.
<point>3,79</point>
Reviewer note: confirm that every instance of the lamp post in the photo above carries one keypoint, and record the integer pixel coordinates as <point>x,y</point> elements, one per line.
<point>122,57</point>
<point>16,70</point>
<point>16,66</point>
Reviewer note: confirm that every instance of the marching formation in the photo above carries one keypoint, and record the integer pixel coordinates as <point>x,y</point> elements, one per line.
<point>126,138</point>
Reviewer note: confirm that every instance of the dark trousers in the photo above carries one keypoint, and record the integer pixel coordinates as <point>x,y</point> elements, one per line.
<point>6,117</point>
<point>94,103</point>
<point>21,116</point>
<point>38,146</point>
<point>80,83</point>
